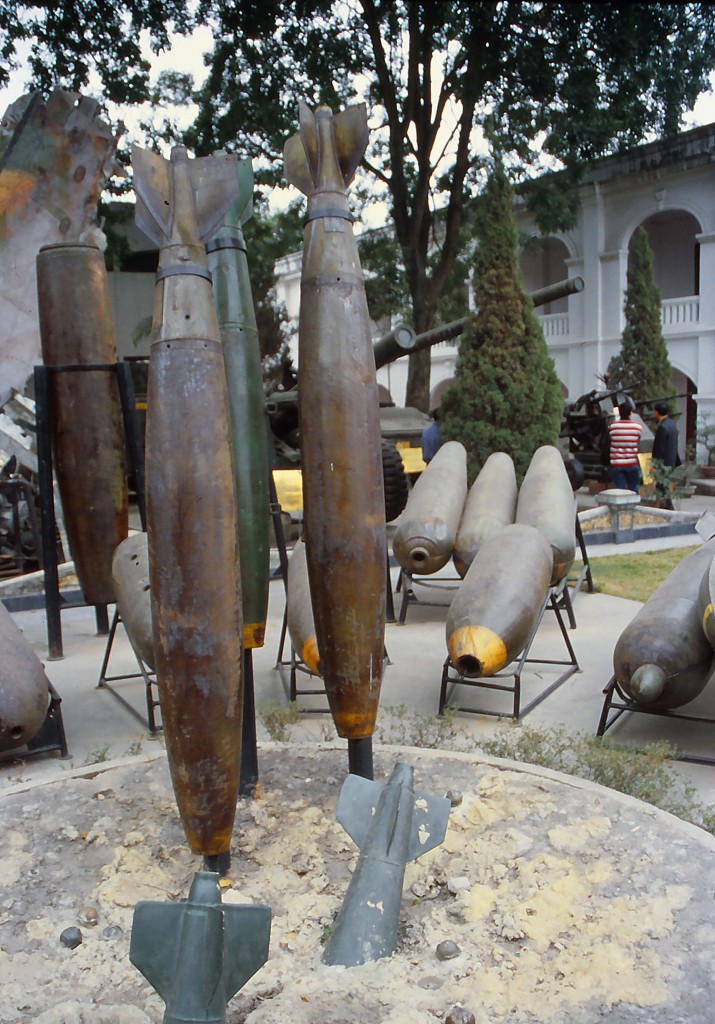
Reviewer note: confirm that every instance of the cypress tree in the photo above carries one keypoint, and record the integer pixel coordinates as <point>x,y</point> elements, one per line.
<point>505,395</point>
<point>642,364</point>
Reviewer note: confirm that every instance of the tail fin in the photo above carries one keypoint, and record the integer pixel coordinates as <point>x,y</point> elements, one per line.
<point>213,185</point>
<point>302,153</point>
<point>358,802</point>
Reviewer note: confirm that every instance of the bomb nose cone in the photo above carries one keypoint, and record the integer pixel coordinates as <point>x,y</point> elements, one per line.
<point>648,683</point>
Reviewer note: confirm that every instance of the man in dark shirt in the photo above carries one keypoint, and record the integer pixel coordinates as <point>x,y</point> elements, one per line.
<point>431,438</point>
<point>665,448</point>
<point>665,442</point>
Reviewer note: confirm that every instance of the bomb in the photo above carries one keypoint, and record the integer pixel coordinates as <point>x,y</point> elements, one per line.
<point>424,540</point>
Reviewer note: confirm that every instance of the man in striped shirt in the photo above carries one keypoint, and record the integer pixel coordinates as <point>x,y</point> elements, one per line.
<point>625,435</point>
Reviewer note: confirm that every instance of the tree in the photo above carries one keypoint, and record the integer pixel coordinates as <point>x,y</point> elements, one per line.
<point>505,395</point>
<point>642,364</point>
<point>564,81</point>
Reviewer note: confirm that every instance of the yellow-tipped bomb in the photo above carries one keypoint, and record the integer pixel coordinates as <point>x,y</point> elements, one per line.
<point>546,502</point>
<point>706,596</point>
<point>424,540</point>
<point>663,658</point>
<point>490,506</point>
<point>301,624</point>
<point>497,605</point>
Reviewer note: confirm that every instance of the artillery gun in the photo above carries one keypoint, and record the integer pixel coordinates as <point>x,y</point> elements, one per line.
<point>282,405</point>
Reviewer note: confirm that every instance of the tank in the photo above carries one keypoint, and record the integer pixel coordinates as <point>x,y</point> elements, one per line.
<point>426,534</point>
<point>497,606</point>
<point>490,506</point>
<point>662,659</point>
<point>76,327</point>
<point>546,502</point>
<point>24,687</point>
<point>301,625</point>
<point>130,578</point>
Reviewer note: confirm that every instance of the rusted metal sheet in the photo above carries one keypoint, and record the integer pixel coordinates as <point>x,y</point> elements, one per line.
<point>301,624</point>
<point>24,687</point>
<point>496,608</point>
<point>191,505</point>
<point>339,422</point>
<point>54,159</point>
<point>228,264</point>
<point>662,658</point>
<point>77,328</point>
<point>490,506</point>
<point>546,501</point>
<point>424,539</point>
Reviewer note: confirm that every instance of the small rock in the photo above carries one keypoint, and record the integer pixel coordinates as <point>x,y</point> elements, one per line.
<point>300,863</point>
<point>71,937</point>
<point>454,796</point>
<point>88,916</point>
<point>112,931</point>
<point>460,884</point>
<point>447,950</point>
<point>460,1015</point>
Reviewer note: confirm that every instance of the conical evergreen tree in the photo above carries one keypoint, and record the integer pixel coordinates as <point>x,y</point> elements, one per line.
<point>506,395</point>
<point>642,363</point>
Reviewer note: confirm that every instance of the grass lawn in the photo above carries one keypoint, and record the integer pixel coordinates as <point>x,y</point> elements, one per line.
<point>635,575</point>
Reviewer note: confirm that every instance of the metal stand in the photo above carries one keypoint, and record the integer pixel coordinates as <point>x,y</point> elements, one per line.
<point>618,702</point>
<point>293,666</point>
<point>406,581</point>
<point>144,673</point>
<point>451,676</point>
<point>585,574</point>
<point>248,775</point>
<point>50,737</point>
<point>48,526</point>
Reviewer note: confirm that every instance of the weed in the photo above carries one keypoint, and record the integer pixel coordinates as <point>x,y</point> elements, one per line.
<point>134,748</point>
<point>642,772</point>
<point>97,756</point>
<point>400,725</point>
<point>278,719</point>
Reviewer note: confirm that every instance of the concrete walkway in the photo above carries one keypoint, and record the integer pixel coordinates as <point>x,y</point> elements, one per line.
<point>99,728</point>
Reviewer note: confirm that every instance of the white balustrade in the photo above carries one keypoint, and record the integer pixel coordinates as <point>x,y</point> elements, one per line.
<point>683,310</point>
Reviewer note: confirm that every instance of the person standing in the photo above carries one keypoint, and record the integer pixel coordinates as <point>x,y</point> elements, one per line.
<point>431,438</point>
<point>665,442</point>
<point>665,451</point>
<point>624,435</point>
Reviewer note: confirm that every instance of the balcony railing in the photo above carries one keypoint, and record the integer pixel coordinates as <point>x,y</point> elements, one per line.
<point>555,325</point>
<point>683,310</point>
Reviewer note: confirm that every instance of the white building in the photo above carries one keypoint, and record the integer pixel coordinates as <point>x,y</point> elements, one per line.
<point>669,189</point>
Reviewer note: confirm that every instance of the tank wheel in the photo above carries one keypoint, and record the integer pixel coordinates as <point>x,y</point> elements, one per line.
<point>395,480</point>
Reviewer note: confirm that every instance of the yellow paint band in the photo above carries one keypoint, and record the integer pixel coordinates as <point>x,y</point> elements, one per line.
<point>309,655</point>
<point>254,634</point>
<point>481,643</point>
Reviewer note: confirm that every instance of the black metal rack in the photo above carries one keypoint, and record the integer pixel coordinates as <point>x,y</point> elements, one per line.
<point>145,673</point>
<point>617,703</point>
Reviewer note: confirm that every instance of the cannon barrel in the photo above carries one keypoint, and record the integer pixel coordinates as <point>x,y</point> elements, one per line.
<point>445,332</point>
<point>398,342</point>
